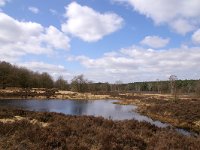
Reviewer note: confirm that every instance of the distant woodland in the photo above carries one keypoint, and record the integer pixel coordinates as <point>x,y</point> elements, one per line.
<point>15,76</point>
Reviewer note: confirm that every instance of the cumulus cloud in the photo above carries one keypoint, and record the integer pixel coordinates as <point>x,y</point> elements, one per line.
<point>196,37</point>
<point>18,38</point>
<point>54,70</point>
<point>139,64</point>
<point>88,24</point>
<point>182,26</point>
<point>155,41</point>
<point>56,38</point>
<point>3,2</point>
<point>182,15</point>
<point>33,10</point>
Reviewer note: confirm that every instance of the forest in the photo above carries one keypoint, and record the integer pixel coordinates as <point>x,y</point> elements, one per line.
<point>15,76</point>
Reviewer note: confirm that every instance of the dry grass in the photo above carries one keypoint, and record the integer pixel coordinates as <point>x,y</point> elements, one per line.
<point>19,118</point>
<point>39,93</point>
<point>80,96</point>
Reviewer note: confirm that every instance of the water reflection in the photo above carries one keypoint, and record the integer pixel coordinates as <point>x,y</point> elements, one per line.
<point>104,108</point>
<point>118,107</point>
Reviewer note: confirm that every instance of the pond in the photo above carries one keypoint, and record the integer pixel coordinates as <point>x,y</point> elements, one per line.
<point>103,108</point>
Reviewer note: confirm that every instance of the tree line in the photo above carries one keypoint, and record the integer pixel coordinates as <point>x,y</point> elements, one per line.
<point>14,76</point>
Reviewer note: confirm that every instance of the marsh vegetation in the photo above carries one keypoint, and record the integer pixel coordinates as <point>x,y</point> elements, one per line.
<point>84,132</point>
<point>174,102</point>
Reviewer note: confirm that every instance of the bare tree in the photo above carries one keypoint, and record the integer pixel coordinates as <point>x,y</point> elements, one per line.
<point>138,87</point>
<point>197,88</point>
<point>105,87</point>
<point>79,84</point>
<point>158,84</point>
<point>118,85</point>
<point>61,84</point>
<point>46,80</point>
<point>173,88</point>
<point>5,69</point>
<point>149,86</point>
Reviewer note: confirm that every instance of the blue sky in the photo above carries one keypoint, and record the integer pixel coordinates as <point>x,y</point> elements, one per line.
<point>106,40</point>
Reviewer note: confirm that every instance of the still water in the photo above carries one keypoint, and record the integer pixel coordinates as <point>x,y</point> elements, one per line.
<point>103,108</point>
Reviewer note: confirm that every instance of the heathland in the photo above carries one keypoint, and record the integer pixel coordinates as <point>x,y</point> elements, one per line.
<point>21,129</point>
<point>176,102</point>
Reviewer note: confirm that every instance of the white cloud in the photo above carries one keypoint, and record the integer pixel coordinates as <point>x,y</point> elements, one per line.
<point>182,26</point>
<point>54,70</point>
<point>196,37</point>
<point>139,64</point>
<point>155,41</point>
<point>3,2</point>
<point>88,24</point>
<point>18,38</point>
<point>33,9</point>
<point>182,15</point>
<point>56,38</point>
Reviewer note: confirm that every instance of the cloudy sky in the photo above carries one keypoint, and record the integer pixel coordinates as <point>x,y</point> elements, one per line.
<point>106,40</point>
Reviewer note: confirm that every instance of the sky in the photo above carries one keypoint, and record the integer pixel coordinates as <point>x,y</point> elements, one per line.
<point>105,40</point>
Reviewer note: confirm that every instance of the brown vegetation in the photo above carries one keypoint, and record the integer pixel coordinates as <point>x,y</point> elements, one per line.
<point>20,93</point>
<point>42,93</point>
<point>85,132</point>
<point>182,113</point>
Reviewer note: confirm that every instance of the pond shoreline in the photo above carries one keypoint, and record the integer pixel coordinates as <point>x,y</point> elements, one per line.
<point>64,106</point>
<point>183,113</point>
<point>45,94</point>
<point>36,130</point>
